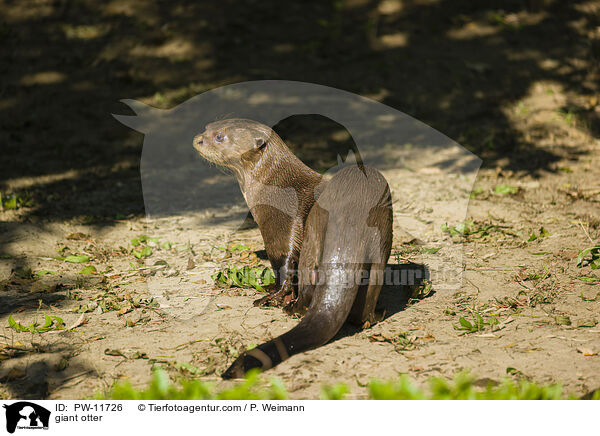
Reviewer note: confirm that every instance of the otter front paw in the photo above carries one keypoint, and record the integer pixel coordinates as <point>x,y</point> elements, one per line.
<point>278,298</point>
<point>265,301</point>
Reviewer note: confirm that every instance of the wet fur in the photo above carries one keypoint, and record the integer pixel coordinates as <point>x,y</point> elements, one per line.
<point>341,227</point>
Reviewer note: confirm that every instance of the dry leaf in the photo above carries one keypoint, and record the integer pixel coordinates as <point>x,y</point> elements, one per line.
<point>78,236</point>
<point>62,365</point>
<point>586,322</point>
<point>379,337</point>
<point>80,321</point>
<point>586,351</point>
<point>14,373</point>
<point>129,322</point>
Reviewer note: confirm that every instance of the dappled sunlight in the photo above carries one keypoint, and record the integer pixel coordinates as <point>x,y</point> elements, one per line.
<point>43,78</point>
<point>515,83</point>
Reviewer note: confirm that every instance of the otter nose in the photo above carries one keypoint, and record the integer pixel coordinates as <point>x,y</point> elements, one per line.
<point>198,140</point>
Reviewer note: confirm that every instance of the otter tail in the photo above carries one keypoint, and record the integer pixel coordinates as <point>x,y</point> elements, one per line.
<point>348,232</point>
<point>329,309</point>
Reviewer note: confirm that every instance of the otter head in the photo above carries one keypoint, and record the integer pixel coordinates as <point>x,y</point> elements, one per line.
<point>233,143</point>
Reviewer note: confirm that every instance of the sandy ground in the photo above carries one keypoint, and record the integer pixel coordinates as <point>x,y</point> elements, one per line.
<point>531,287</point>
<point>537,133</point>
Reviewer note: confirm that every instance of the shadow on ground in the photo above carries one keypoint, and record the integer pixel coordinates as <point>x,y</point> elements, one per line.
<point>456,65</point>
<point>395,296</point>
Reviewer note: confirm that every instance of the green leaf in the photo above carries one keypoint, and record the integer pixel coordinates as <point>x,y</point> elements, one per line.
<point>144,252</point>
<point>44,272</point>
<point>77,259</point>
<point>90,269</point>
<point>506,189</point>
<point>543,233</point>
<point>594,251</point>
<point>50,323</point>
<point>238,247</point>
<point>466,324</point>
<point>47,325</point>
<point>16,325</point>
<point>10,202</point>
<point>477,191</point>
<point>590,279</point>
<point>60,324</point>
<point>480,322</point>
<point>335,392</point>
<point>245,277</point>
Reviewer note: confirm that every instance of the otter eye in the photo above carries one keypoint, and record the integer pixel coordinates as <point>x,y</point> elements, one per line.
<point>219,137</point>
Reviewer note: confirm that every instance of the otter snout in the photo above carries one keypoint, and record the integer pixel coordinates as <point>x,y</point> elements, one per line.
<point>198,141</point>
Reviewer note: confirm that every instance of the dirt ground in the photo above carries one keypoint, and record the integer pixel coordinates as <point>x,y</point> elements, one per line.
<point>517,85</point>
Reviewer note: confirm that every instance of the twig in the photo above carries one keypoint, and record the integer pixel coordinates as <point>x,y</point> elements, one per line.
<point>78,375</point>
<point>585,231</point>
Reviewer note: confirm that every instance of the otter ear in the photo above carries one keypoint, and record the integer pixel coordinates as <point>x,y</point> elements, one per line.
<point>259,143</point>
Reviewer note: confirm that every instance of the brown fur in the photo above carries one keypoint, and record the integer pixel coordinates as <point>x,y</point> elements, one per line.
<point>335,230</point>
<point>267,172</point>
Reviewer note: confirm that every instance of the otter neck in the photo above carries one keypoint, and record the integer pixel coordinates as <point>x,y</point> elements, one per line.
<point>277,166</point>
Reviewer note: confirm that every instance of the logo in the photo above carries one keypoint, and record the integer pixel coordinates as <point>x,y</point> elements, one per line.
<point>26,415</point>
<point>423,166</point>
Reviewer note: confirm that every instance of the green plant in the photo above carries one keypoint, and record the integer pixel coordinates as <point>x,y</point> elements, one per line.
<point>43,273</point>
<point>594,262</point>
<point>245,277</point>
<point>143,245</point>
<point>461,229</point>
<point>422,290</point>
<point>51,323</point>
<point>88,270</point>
<point>401,341</point>
<point>505,190</point>
<point>476,192</point>
<point>335,392</point>
<point>14,201</point>
<point>569,116</point>
<point>462,387</point>
<point>543,234</point>
<point>470,228</point>
<point>161,388</point>
<point>589,279</point>
<point>233,248</point>
<point>478,324</point>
